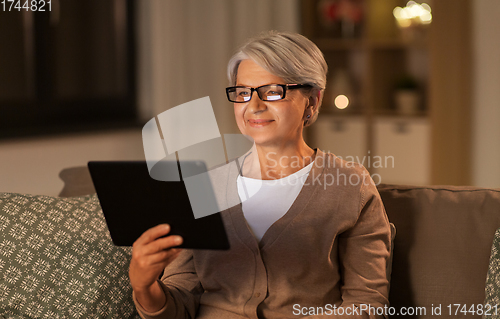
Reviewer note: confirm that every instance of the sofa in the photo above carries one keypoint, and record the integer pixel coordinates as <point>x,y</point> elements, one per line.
<point>57,259</point>
<point>442,248</point>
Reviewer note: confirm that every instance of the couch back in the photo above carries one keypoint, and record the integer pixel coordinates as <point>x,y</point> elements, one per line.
<point>442,247</point>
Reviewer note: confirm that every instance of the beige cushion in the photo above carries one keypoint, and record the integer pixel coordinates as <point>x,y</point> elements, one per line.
<point>77,182</point>
<point>443,245</point>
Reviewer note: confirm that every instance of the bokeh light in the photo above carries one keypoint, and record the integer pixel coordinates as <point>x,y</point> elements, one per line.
<point>413,14</point>
<point>341,102</point>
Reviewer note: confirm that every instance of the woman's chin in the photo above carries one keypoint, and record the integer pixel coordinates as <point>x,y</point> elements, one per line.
<point>266,141</point>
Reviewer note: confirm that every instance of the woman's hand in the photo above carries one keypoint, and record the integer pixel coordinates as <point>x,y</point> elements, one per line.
<point>151,253</point>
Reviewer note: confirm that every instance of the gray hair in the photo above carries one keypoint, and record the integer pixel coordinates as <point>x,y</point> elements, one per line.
<point>291,56</point>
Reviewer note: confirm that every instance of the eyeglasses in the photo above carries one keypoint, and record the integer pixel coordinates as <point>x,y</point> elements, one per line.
<point>271,92</point>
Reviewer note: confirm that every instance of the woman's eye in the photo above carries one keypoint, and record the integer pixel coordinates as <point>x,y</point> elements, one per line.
<point>271,92</point>
<point>243,93</point>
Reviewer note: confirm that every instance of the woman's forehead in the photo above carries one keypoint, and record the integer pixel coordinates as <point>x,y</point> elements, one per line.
<point>252,74</point>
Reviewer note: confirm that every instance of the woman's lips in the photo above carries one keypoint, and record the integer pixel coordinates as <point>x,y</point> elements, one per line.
<point>259,122</point>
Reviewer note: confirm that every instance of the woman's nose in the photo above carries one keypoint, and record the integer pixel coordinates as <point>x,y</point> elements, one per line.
<point>256,104</point>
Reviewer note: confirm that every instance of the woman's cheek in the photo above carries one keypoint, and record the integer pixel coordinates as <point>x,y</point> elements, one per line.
<point>240,121</point>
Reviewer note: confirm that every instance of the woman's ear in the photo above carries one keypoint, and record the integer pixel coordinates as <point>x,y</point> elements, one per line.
<point>314,100</point>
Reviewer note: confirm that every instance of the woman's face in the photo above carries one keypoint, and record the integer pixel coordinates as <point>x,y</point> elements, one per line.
<point>269,123</point>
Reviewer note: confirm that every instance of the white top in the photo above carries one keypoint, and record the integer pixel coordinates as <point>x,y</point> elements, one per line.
<point>268,200</point>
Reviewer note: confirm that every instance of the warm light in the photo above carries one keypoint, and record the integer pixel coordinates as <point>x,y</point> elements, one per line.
<point>426,18</point>
<point>415,10</point>
<point>426,7</point>
<point>341,102</point>
<point>413,13</point>
<point>397,13</point>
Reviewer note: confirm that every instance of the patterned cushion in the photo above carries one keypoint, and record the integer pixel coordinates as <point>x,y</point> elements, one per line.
<point>57,260</point>
<point>493,280</point>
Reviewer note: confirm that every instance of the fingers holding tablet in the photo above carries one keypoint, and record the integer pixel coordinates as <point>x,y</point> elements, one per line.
<point>157,236</point>
<point>151,253</point>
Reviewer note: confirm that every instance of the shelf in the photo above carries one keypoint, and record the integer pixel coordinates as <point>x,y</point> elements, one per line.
<point>373,64</point>
<point>396,115</point>
<point>394,43</point>
<point>379,113</point>
<point>332,44</point>
<point>335,44</point>
<point>340,113</point>
<point>439,57</point>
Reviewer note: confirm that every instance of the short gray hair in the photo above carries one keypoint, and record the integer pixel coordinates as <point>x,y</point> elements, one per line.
<point>291,56</point>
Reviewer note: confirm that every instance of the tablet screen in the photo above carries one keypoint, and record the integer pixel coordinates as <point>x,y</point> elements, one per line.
<point>132,202</point>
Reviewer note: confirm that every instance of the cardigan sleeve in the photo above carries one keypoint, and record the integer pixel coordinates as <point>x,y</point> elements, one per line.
<point>364,252</point>
<point>182,289</point>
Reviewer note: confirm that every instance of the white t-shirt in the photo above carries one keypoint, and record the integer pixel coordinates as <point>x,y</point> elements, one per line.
<point>266,201</point>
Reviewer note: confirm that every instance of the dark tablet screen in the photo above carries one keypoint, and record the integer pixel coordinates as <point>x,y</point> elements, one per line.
<point>133,202</point>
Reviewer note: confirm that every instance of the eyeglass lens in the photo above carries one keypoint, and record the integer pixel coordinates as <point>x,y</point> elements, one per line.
<point>271,92</point>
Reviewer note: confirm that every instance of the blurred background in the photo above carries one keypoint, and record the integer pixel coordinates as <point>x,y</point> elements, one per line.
<point>413,87</point>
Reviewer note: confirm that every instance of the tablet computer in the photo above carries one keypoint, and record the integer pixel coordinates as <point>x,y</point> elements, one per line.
<point>132,202</point>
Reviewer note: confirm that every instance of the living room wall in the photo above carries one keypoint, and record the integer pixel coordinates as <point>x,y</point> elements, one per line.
<point>32,165</point>
<point>486,94</point>
<point>183,47</point>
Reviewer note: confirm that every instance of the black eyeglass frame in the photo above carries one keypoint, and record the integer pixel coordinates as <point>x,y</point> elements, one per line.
<point>283,86</point>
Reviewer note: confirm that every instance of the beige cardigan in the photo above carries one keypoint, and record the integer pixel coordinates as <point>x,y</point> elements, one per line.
<point>330,249</point>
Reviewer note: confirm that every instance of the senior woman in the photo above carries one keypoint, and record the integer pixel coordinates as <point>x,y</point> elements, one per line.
<point>312,241</point>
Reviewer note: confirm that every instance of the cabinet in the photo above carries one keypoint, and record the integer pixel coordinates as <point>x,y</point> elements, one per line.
<point>344,137</point>
<point>367,63</point>
<point>402,151</point>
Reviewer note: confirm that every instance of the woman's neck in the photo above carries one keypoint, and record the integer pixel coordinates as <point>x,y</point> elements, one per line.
<point>277,162</point>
